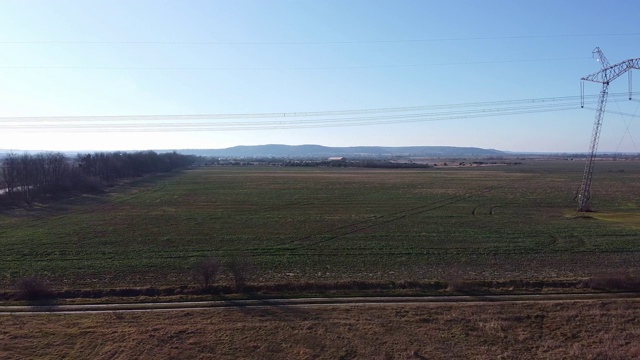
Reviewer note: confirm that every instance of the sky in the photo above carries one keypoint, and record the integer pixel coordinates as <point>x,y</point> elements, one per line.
<point>307,63</point>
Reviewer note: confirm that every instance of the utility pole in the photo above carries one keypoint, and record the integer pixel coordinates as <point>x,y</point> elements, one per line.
<point>607,74</point>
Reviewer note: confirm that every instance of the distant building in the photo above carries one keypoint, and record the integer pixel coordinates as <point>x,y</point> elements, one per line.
<point>338,158</point>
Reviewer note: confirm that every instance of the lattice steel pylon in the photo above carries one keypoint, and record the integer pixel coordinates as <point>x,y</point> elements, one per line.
<point>607,74</point>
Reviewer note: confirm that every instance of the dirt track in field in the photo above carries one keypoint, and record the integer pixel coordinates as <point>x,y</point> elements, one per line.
<point>308,303</point>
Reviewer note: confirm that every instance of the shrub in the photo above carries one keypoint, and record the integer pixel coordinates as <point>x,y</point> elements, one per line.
<point>207,271</point>
<point>456,281</point>
<point>33,289</point>
<point>615,281</point>
<point>241,270</point>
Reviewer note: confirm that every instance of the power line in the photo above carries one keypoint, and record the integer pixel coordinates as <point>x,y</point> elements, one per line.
<point>270,126</point>
<point>339,120</point>
<point>568,100</point>
<point>627,125</point>
<point>292,120</point>
<point>377,41</point>
<point>284,68</point>
<point>627,114</point>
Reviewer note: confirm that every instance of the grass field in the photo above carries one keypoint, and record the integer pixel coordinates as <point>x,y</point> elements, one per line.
<point>326,224</point>
<point>575,330</point>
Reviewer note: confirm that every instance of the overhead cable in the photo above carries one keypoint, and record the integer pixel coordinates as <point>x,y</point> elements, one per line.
<point>36,67</point>
<point>329,42</point>
<point>293,120</point>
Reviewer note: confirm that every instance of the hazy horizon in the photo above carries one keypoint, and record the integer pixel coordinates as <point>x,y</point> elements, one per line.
<point>604,151</point>
<point>200,74</point>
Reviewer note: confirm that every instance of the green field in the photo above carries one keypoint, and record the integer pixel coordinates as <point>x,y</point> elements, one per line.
<point>326,224</point>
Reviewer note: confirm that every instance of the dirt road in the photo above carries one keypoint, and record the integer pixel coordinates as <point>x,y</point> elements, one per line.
<point>306,303</point>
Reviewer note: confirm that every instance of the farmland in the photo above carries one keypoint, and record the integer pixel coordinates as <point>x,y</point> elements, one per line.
<point>329,224</point>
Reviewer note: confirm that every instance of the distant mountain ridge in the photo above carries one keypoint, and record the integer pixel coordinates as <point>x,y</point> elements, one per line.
<point>316,151</point>
<point>276,150</point>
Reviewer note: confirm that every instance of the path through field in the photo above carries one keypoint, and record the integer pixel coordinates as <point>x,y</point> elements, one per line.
<point>308,303</point>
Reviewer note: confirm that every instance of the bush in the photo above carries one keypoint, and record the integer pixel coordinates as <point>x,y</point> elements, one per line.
<point>456,281</point>
<point>615,281</point>
<point>207,271</point>
<point>241,270</point>
<point>33,289</point>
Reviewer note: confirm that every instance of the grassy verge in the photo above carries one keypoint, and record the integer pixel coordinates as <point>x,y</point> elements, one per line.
<point>611,283</point>
<point>602,329</point>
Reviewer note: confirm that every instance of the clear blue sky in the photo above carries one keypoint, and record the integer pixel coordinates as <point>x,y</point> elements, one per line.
<point>89,58</point>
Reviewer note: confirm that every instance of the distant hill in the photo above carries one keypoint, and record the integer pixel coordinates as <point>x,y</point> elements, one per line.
<point>316,151</point>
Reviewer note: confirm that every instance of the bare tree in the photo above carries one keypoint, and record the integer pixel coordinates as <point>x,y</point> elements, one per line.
<point>47,173</point>
<point>9,168</point>
<point>241,269</point>
<point>58,169</point>
<point>26,173</point>
<point>207,271</point>
<point>33,289</point>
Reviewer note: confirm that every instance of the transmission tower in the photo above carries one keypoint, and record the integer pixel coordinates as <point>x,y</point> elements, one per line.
<point>605,76</point>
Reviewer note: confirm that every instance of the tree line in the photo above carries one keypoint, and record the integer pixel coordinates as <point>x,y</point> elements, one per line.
<point>29,176</point>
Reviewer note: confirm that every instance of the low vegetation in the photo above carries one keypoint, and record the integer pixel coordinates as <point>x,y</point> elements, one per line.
<point>33,289</point>
<point>329,225</point>
<point>241,271</point>
<point>619,281</point>
<point>549,330</point>
<point>207,271</point>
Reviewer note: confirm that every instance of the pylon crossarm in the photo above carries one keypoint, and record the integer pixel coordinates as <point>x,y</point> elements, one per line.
<point>613,72</point>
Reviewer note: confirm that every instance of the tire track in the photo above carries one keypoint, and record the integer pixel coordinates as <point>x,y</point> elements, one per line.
<point>312,303</point>
<point>307,241</point>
